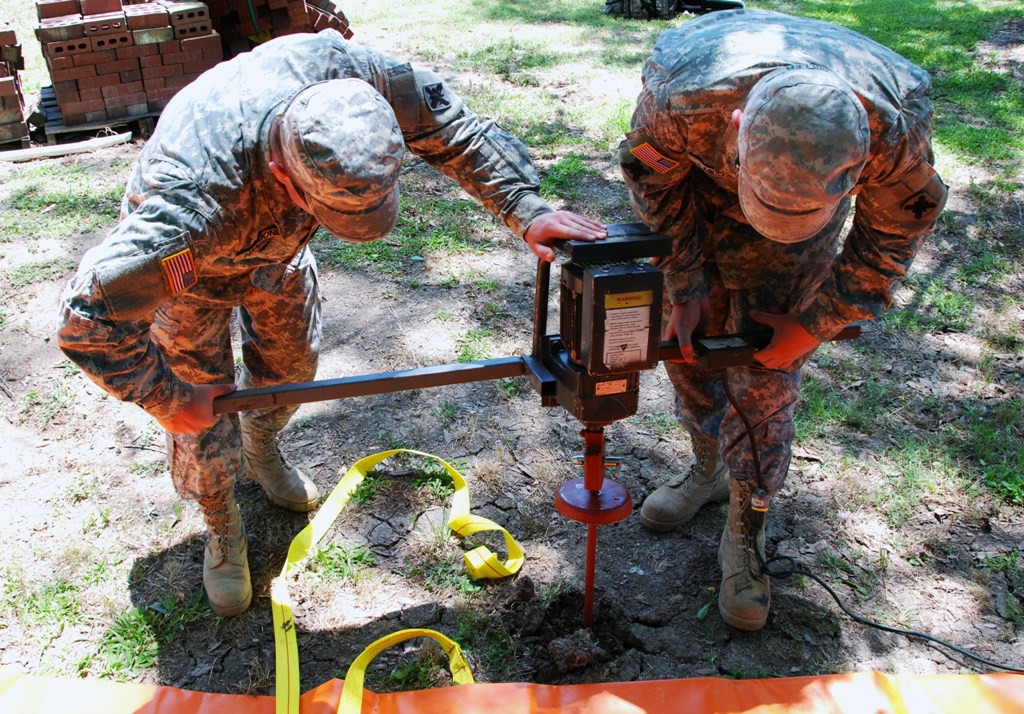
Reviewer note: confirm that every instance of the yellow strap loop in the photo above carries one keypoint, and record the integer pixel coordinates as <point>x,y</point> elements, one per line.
<point>480,562</point>
<point>352,692</point>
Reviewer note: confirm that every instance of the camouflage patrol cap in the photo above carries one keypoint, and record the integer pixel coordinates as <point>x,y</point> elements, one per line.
<point>343,148</point>
<point>803,141</point>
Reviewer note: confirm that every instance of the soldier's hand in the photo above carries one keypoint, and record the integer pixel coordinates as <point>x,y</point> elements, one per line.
<point>790,341</point>
<point>560,225</point>
<point>198,412</point>
<point>686,318</point>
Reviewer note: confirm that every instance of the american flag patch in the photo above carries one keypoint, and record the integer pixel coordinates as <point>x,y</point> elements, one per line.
<point>653,158</point>
<point>180,271</point>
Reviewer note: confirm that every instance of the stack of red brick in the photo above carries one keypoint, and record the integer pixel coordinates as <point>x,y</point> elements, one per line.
<point>244,23</point>
<point>13,126</point>
<point>110,61</point>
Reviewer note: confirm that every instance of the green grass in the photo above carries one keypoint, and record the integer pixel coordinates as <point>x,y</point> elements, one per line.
<point>995,443</point>
<point>426,227</point>
<point>486,638</point>
<point>662,424</point>
<point>910,469</point>
<point>474,345</point>
<point>134,640</point>
<point>44,406</point>
<point>340,562</point>
<point>509,58</point>
<point>47,608</point>
<point>822,410</point>
<point>56,201</point>
<point>563,179</point>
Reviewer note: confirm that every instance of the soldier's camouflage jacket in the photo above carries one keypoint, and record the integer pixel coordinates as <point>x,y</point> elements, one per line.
<point>202,212</point>
<point>703,70</point>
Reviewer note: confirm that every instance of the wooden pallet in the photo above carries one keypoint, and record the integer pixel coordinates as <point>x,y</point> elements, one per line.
<point>15,144</point>
<point>55,129</point>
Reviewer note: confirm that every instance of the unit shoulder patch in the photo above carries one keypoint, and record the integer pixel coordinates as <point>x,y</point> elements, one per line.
<point>920,204</point>
<point>436,97</point>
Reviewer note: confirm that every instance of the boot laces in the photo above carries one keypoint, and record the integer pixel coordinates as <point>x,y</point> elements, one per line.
<point>221,525</point>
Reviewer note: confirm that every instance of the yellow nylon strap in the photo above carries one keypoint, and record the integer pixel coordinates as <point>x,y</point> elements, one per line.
<point>352,692</point>
<point>480,562</point>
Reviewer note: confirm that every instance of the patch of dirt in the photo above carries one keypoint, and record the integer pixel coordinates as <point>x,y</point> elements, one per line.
<point>87,497</point>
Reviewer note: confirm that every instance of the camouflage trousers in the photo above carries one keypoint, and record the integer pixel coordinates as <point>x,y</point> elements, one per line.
<point>766,397</point>
<point>278,316</point>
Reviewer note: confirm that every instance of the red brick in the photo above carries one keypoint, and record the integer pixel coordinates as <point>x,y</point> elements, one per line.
<point>68,47</point>
<point>67,85</point>
<point>121,90</point>
<point>111,41</point>
<point>99,7</point>
<point>85,107</point>
<point>181,80</point>
<point>151,83</point>
<point>12,115</point>
<point>164,70</point>
<point>187,13</point>
<point>202,43</point>
<point>59,63</point>
<point>146,16</point>
<point>151,60</point>
<point>83,58</point>
<point>195,29</point>
<point>46,9</point>
<point>198,66</point>
<point>117,66</point>
<point>171,47</point>
<point>59,29</point>
<point>7,35</point>
<point>104,24</point>
<point>123,99</point>
<point>68,96</point>
<point>135,51</point>
<point>77,73</point>
<point>8,87</point>
<point>183,57</point>
<point>94,94</point>
<point>13,131</point>
<point>98,82</point>
<point>133,76</point>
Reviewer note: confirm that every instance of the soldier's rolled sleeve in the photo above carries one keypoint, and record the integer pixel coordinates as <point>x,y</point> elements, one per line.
<point>485,160</point>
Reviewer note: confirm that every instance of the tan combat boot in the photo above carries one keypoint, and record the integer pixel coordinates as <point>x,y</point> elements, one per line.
<point>745,595</point>
<point>282,482</point>
<point>226,562</point>
<point>706,481</point>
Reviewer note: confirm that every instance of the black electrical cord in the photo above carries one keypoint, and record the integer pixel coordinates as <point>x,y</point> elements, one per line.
<point>757,518</point>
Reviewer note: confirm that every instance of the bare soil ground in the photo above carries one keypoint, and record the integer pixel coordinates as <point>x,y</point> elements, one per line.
<point>86,497</point>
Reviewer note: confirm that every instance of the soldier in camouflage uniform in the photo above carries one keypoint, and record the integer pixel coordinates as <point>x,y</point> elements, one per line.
<point>245,164</point>
<point>751,136</point>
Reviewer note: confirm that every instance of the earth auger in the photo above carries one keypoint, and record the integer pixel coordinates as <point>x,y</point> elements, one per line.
<point>609,332</point>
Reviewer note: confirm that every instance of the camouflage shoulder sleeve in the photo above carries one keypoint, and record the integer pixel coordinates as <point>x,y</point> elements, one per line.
<point>660,191</point>
<point>489,163</point>
<point>893,217</point>
<point>107,308</point>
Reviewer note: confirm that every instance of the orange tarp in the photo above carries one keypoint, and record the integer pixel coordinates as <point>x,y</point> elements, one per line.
<point>858,693</point>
